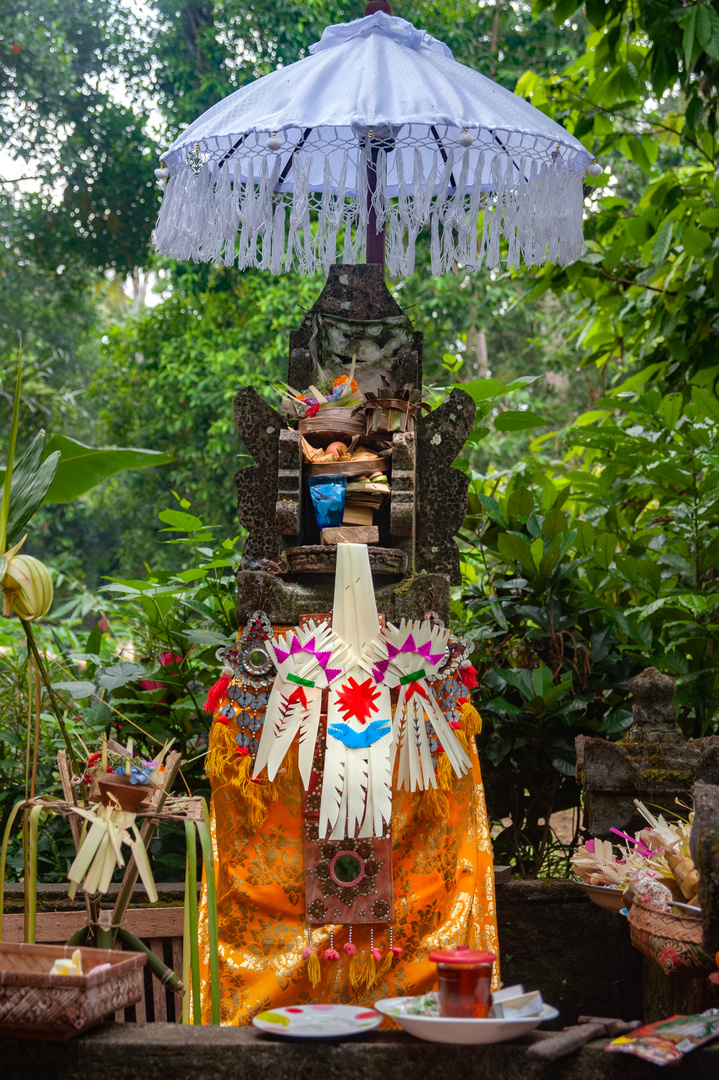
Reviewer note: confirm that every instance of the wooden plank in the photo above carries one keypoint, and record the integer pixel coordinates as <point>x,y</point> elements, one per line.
<point>177,968</point>
<point>159,993</point>
<point>54,927</point>
<point>140,1010</point>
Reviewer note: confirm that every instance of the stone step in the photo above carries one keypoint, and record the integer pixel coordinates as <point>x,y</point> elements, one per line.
<point>136,1052</point>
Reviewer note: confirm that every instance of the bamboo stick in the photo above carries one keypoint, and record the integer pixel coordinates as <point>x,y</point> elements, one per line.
<point>191,904</point>
<point>160,970</point>
<point>129,881</point>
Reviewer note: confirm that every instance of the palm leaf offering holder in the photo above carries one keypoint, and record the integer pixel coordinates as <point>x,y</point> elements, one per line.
<point>390,410</point>
<point>55,992</point>
<point>653,876</point>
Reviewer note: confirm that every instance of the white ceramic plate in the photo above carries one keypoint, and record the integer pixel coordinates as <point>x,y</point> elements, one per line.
<point>317,1021</point>
<point>609,897</point>
<point>449,1029</point>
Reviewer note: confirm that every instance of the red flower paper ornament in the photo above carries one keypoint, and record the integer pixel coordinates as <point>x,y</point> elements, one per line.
<point>358,700</point>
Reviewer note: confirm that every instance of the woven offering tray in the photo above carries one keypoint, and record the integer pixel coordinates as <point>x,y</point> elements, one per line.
<point>37,1005</point>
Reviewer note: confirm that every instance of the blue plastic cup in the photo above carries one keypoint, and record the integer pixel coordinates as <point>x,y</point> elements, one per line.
<point>328,493</point>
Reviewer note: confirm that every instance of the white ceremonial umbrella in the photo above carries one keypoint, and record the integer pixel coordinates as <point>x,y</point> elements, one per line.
<point>379,129</point>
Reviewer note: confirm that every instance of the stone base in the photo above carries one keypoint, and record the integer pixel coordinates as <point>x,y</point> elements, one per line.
<point>132,1052</point>
<point>285,601</point>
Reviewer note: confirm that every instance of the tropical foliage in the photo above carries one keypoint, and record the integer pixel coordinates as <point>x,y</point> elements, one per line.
<point>590,548</point>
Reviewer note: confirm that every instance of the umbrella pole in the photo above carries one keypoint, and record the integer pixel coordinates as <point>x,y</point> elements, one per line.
<point>375,237</point>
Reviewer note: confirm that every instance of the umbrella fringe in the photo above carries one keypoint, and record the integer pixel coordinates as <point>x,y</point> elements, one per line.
<point>524,211</point>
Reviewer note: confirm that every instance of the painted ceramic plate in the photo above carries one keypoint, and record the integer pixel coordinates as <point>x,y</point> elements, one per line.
<point>317,1021</point>
<point>449,1029</point>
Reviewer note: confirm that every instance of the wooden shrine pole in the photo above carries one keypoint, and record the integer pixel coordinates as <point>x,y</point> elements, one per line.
<point>375,238</point>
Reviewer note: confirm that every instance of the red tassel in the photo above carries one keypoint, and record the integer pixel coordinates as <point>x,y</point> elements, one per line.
<point>216,693</point>
<point>468,674</point>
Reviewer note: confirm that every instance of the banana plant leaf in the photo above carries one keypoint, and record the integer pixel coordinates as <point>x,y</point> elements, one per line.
<point>82,467</point>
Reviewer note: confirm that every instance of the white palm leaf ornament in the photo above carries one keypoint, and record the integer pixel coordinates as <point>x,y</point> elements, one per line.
<point>307,659</point>
<point>356,789</point>
<point>414,652</point>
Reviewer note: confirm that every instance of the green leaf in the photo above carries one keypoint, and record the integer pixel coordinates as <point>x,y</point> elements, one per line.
<point>555,692</point>
<point>181,522</point>
<point>31,479</point>
<point>76,689</point>
<point>520,504</point>
<point>515,549</point>
<point>118,675</point>
<point>694,241</point>
<point>662,242</point>
<point>706,401</point>
<point>518,420</point>
<point>537,550</point>
<point>596,12</point>
<point>81,467</point>
<point>562,10</point>
<point>554,523</point>
<point>485,389</point>
<point>707,30</point>
<point>541,680</point>
<point>605,544</point>
<point>206,638</point>
<point>671,409</point>
<point>689,23</point>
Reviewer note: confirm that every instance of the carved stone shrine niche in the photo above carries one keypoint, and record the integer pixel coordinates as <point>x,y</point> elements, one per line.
<point>286,570</point>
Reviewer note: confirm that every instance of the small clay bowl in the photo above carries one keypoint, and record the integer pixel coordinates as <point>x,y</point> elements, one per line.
<point>128,796</point>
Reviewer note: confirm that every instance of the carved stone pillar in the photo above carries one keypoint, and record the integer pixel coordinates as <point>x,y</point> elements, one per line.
<point>653,763</point>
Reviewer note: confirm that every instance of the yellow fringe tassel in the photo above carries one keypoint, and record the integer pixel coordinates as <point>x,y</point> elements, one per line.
<point>462,739</point>
<point>385,965</point>
<point>220,751</point>
<point>434,805</point>
<point>445,774</point>
<point>471,719</point>
<point>313,969</point>
<point>353,972</point>
<point>368,971</point>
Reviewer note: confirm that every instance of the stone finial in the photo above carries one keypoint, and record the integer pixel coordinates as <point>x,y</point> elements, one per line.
<point>655,718</point>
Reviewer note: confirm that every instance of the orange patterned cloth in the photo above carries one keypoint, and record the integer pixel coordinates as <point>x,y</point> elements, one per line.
<point>443,897</point>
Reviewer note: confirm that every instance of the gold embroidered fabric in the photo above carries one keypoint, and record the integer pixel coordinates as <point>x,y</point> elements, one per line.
<point>443,897</point>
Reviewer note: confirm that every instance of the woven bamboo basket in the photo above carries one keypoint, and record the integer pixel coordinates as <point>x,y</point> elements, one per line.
<point>348,468</point>
<point>671,941</point>
<point>330,424</point>
<point>37,1005</point>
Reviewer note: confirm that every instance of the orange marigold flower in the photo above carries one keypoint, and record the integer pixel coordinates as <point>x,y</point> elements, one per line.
<point>353,384</point>
<point>340,382</point>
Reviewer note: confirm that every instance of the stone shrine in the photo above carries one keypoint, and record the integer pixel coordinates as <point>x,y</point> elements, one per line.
<point>285,570</point>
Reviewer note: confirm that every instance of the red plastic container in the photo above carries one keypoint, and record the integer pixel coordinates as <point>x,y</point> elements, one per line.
<point>465,981</point>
